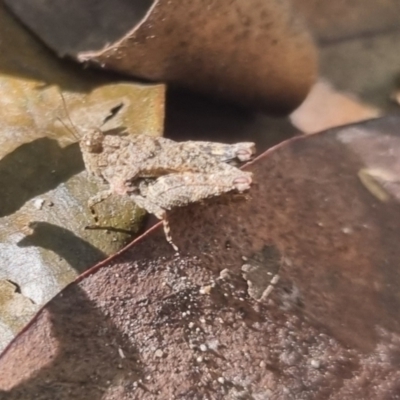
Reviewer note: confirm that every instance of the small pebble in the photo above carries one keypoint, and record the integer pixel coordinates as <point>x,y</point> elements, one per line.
<point>203,347</point>
<point>221,380</point>
<point>205,289</point>
<point>224,274</point>
<point>159,353</point>
<point>121,353</point>
<point>38,204</point>
<point>315,364</point>
<point>213,344</point>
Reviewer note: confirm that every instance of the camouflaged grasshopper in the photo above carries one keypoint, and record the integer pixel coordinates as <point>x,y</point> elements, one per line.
<point>159,174</point>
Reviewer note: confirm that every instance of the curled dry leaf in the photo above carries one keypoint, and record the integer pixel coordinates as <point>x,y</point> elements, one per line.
<point>325,108</point>
<point>254,52</point>
<point>188,324</point>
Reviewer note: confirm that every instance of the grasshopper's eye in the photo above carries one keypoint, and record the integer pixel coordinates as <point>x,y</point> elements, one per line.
<point>94,141</point>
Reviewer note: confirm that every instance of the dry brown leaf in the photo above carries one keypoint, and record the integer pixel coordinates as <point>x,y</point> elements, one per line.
<point>325,108</point>
<point>150,323</point>
<point>257,53</point>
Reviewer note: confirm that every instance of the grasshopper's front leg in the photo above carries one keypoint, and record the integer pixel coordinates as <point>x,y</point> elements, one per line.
<point>159,212</point>
<point>98,198</point>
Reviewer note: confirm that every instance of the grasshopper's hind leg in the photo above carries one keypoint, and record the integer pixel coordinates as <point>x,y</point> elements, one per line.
<point>159,212</point>
<point>167,232</point>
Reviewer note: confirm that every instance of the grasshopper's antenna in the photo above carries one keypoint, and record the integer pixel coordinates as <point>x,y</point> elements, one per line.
<point>68,128</point>
<point>74,131</point>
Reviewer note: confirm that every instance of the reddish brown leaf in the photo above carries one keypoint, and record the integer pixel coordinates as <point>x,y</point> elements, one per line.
<point>253,52</point>
<point>149,323</point>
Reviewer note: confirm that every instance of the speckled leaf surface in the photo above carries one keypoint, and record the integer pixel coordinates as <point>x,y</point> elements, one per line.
<point>256,53</point>
<point>321,225</point>
<point>43,202</point>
